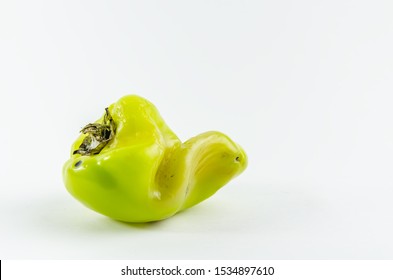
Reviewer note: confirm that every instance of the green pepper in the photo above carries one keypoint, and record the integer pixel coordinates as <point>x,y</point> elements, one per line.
<point>130,166</point>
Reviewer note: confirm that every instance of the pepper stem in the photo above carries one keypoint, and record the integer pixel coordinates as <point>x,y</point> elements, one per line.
<point>98,136</point>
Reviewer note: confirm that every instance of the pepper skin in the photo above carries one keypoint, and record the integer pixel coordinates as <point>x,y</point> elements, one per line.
<point>143,172</point>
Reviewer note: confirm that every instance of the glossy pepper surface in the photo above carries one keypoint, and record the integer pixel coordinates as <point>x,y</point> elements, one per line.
<point>130,166</point>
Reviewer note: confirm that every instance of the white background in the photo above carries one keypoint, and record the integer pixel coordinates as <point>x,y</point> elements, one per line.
<point>304,86</point>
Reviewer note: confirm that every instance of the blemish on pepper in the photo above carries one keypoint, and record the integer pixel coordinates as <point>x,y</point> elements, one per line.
<point>78,163</point>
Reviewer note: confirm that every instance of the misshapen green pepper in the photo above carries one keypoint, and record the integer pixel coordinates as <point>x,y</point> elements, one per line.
<point>130,166</point>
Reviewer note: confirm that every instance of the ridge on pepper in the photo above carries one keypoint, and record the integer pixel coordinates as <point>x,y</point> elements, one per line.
<point>130,166</point>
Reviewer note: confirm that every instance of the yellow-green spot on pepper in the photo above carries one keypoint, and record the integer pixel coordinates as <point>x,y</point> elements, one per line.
<point>130,166</point>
